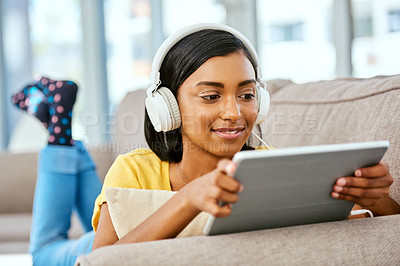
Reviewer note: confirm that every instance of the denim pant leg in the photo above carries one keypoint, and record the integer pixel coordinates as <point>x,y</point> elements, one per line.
<point>88,187</point>
<point>55,195</point>
<point>63,252</point>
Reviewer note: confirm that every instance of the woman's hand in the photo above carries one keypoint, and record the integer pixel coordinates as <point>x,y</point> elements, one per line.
<point>204,193</point>
<point>369,188</point>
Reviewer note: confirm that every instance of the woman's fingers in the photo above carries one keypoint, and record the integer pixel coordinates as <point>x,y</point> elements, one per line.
<point>364,182</point>
<point>222,180</point>
<point>369,186</point>
<point>377,176</point>
<point>380,169</point>
<point>364,202</point>
<point>226,166</point>
<point>228,183</point>
<point>373,193</point>
<point>216,210</point>
<point>223,195</point>
<point>206,192</point>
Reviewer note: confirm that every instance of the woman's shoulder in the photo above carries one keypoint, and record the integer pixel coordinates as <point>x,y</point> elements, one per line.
<point>135,168</point>
<point>140,154</point>
<point>261,148</point>
<point>139,160</point>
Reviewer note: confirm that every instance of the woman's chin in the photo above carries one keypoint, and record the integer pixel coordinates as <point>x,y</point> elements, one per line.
<point>226,150</point>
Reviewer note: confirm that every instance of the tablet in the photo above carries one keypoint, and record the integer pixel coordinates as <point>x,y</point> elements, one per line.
<point>292,186</point>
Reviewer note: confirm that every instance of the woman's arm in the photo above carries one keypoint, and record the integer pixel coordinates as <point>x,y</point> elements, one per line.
<point>167,222</point>
<point>105,234</point>
<point>202,194</point>
<point>369,188</point>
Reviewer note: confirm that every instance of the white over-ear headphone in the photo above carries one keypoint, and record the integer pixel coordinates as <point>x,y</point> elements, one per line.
<point>161,105</point>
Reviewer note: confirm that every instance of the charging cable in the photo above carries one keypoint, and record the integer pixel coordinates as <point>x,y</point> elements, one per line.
<point>260,139</point>
<point>362,211</point>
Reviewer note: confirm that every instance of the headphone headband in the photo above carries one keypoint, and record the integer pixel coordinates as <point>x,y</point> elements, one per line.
<point>179,35</point>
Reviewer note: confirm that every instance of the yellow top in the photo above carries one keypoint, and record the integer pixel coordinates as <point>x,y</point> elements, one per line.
<point>141,169</point>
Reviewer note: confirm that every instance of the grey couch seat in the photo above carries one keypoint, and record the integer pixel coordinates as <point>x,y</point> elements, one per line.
<point>352,242</point>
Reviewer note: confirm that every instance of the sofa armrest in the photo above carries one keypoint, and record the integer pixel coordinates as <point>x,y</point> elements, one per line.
<point>19,171</point>
<point>17,179</point>
<point>370,241</point>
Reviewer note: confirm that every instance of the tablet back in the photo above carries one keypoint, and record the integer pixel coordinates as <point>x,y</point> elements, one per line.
<point>292,186</point>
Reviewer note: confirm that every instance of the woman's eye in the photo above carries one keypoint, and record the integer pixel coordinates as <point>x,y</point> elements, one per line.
<point>247,96</point>
<point>210,97</point>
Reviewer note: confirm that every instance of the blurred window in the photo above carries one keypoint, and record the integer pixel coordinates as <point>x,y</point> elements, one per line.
<point>375,49</point>
<point>131,41</point>
<point>363,26</point>
<point>57,49</point>
<point>128,27</point>
<point>56,36</point>
<point>394,20</point>
<point>181,13</point>
<point>295,40</point>
<point>286,32</point>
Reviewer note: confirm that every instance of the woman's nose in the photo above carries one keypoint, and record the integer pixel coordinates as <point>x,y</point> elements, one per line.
<point>230,110</point>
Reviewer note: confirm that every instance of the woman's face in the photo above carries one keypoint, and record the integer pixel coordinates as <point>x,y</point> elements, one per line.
<point>218,105</point>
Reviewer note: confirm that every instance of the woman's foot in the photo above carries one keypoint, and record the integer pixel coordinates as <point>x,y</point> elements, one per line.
<point>51,101</point>
<point>32,100</point>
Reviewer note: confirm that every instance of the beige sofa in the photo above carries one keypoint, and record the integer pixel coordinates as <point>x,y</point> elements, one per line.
<point>338,111</point>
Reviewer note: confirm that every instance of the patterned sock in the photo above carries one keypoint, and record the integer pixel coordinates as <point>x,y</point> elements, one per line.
<point>61,96</point>
<point>32,100</point>
<point>54,109</point>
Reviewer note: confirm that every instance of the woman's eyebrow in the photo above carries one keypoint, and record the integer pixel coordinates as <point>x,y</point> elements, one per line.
<point>246,82</point>
<point>210,83</point>
<point>221,85</point>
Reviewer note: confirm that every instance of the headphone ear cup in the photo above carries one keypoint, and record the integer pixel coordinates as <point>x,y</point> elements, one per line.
<point>163,110</point>
<point>173,107</point>
<point>263,101</point>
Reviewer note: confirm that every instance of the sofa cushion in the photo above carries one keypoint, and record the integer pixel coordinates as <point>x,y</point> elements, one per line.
<point>337,111</point>
<point>355,242</point>
<point>130,207</point>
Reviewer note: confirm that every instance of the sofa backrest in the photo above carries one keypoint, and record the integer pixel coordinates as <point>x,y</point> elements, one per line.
<point>337,111</point>
<point>129,128</point>
<point>324,112</point>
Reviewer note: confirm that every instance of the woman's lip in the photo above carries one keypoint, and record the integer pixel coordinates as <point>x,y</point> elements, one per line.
<point>228,133</point>
<point>228,129</point>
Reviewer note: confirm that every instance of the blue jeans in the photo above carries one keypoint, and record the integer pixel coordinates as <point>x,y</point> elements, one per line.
<point>66,182</point>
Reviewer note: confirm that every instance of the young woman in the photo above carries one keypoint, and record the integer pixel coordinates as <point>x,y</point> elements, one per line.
<point>214,78</point>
